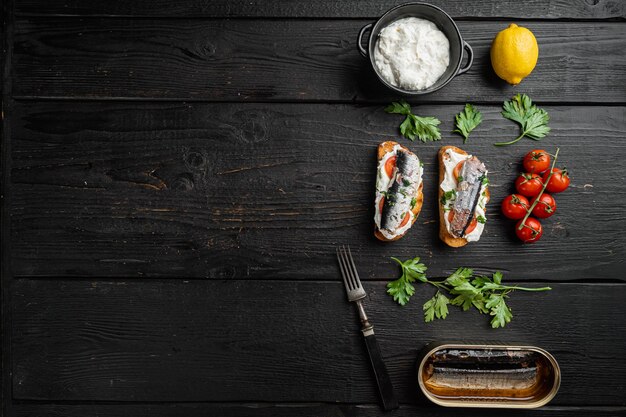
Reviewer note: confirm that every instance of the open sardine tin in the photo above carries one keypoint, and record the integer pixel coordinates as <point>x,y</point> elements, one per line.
<point>488,376</point>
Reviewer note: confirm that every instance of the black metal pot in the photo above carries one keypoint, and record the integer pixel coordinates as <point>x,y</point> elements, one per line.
<point>443,21</point>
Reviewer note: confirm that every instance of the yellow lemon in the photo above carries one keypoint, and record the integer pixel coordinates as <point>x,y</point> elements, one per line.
<point>514,53</point>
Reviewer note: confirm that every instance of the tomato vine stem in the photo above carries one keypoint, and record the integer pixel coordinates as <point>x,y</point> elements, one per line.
<point>545,184</point>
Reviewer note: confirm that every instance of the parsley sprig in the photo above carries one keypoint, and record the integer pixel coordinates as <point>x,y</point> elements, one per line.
<point>533,121</point>
<point>413,126</point>
<point>467,120</point>
<point>402,289</point>
<point>462,288</point>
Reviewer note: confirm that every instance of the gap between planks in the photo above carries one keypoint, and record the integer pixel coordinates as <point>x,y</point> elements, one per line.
<point>590,281</point>
<point>414,101</point>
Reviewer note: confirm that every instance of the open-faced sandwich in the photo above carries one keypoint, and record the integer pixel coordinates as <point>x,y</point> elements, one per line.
<point>399,196</point>
<point>463,196</point>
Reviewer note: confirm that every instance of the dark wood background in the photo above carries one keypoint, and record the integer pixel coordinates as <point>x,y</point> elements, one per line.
<point>176,176</point>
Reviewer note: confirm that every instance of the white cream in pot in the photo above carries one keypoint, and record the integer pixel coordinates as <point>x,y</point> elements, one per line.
<point>412,53</point>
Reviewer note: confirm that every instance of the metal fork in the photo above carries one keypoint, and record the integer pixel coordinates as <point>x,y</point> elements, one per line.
<point>356,294</point>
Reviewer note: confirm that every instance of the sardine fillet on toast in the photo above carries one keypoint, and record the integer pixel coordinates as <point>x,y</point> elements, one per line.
<point>403,194</point>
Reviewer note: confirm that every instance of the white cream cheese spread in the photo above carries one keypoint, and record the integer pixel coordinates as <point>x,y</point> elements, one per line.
<point>412,53</point>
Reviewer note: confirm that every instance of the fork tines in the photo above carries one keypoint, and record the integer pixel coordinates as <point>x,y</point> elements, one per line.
<point>350,275</point>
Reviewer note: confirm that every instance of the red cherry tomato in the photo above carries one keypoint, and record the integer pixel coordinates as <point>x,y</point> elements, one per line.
<point>559,181</point>
<point>528,185</point>
<point>536,161</point>
<point>457,170</point>
<point>470,227</point>
<point>390,164</point>
<point>405,220</point>
<point>530,232</point>
<point>514,206</point>
<point>545,207</point>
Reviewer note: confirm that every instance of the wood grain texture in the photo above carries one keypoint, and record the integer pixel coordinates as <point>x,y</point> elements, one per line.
<point>235,208</point>
<point>288,60</point>
<point>290,410</point>
<point>247,191</point>
<point>281,341</point>
<point>537,9</point>
<point>6,42</point>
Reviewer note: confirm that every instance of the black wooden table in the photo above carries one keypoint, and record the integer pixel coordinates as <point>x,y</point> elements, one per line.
<point>177,175</point>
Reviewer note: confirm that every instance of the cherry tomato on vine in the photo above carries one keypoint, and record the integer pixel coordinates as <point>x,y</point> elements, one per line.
<point>530,232</point>
<point>559,181</point>
<point>528,185</point>
<point>514,206</point>
<point>546,206</point>
<point>537,161</point>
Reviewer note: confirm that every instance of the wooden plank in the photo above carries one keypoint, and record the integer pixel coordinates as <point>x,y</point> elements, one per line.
<point>6,47</point>
<point>281,341</point>
<point>534,9</point>
<point>278,60</point>
<point>289,410</point>
<point>250,191</point>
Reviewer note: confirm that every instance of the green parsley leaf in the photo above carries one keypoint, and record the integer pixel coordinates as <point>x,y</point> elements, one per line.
<point>499,310</point>
<point>413,203</point>
<point>481,219</point>
<point>533,121</point>
<point>441,306</point>
<point>402,289</point>
<point>425,128</point>
<point>465,289</point>
<point>459,276</point>
<point>406,129</point>
<point>429,309</point>
<point>486,294</point>
<point>413,126</point>
<point>480,280</point>
<point>399,108</point>
<point>448,196</point>
<point>436,307</point>
<point>413,268</point>
<point>479,303</point>
<point>490,286</point>
<point>462,301</point>
<point>467,120</point>
<point>466,293</point>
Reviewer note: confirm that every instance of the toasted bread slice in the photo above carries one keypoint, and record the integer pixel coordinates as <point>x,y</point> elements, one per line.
<point>383,149</point>
<point>444,235</point>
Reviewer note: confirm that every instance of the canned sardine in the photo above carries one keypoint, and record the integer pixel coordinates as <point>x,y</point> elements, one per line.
<point>459,375</point>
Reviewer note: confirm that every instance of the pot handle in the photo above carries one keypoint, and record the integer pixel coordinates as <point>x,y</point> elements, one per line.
<point>470,60</point>
<point>359,42</point>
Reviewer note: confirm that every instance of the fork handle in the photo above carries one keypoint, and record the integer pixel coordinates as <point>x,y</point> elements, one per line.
<point>385,388</point>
